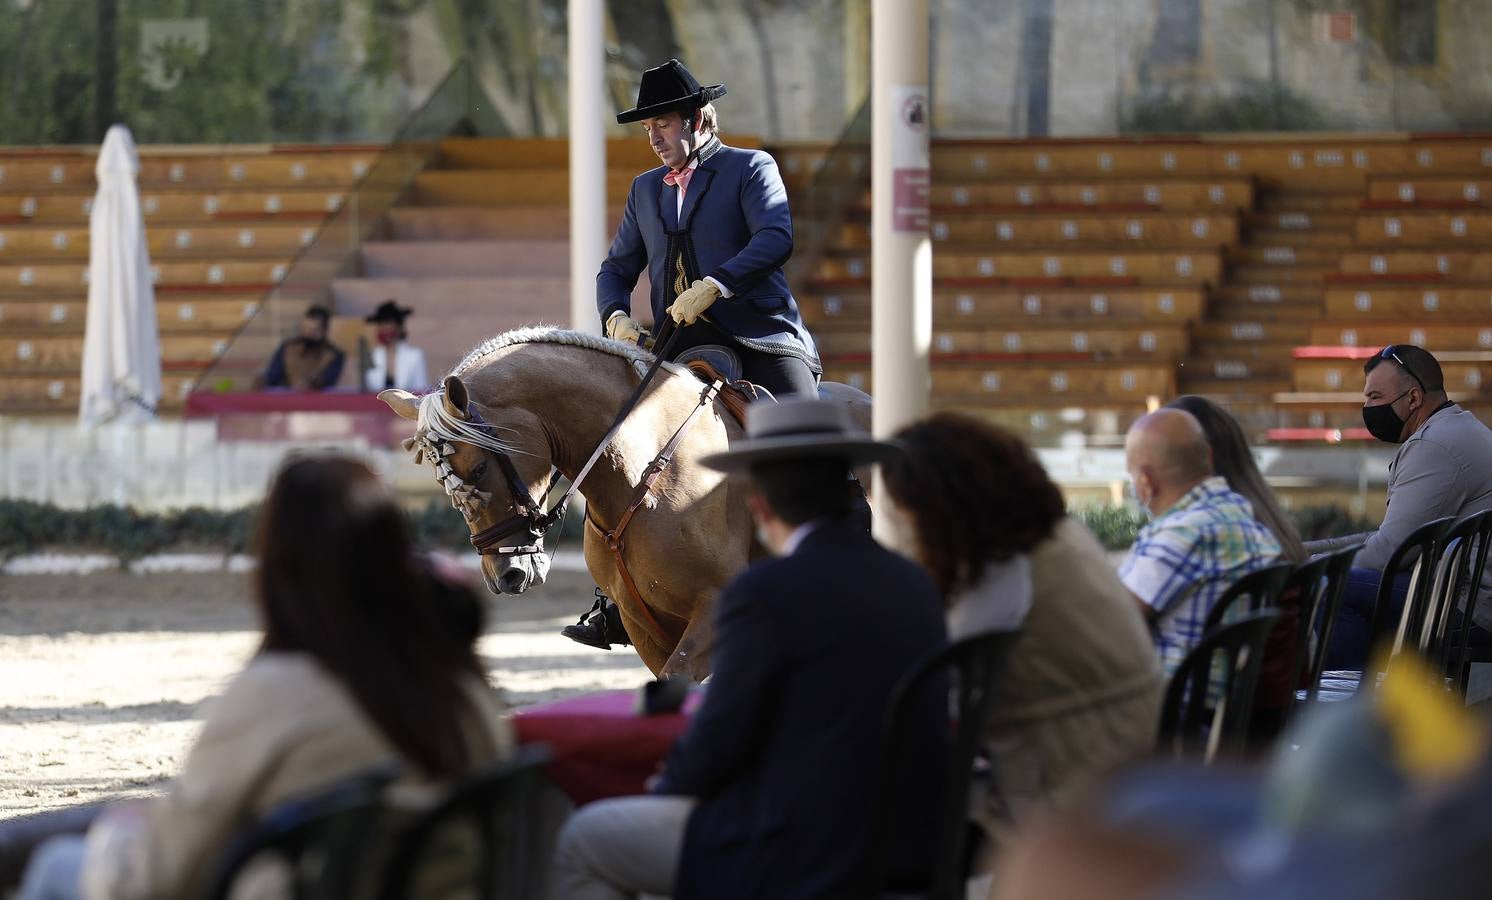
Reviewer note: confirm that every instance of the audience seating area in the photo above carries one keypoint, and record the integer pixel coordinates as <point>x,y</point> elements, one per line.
<point>224,224</point>
<point>1078,281</point>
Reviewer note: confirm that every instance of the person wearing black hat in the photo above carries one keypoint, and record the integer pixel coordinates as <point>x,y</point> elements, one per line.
<point>307,362</point>
<point>1443,467</point>
<point>407,370</point>
<point>770,790</point>
<point>712,229</point>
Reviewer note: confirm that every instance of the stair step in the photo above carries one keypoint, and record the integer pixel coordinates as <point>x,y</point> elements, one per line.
<point>1290,332</point>
<point>1236,381</point>
<point>1259,254</point>
<point>1266,294</point>
<point>454,259</point>
<point>1297,201</point>
<point>480,223</point>
<point>1299,240</point>
<point>1301,220</point>
<point>1244,274</point>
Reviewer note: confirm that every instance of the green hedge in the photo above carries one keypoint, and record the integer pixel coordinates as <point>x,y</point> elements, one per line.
<point>1116,526</point>
<point>27,527</point>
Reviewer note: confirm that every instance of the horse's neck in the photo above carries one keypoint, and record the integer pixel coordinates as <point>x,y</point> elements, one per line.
<point>576,397</point>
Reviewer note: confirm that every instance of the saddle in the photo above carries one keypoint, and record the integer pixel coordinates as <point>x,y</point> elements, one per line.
<point>714,362</point>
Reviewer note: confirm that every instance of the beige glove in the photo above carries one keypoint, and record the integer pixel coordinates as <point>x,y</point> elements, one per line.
<point>691,303</point>
<point>622,327</point>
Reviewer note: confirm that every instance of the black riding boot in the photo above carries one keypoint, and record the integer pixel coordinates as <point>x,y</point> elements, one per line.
<point>600,627</point>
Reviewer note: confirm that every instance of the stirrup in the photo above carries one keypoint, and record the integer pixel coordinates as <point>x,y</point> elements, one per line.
<point>597,607</point>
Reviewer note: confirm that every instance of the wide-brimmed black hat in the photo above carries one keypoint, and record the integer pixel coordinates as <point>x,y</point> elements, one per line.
<point>799,429</point>
<point>667,88</point>
<point>389,311</point>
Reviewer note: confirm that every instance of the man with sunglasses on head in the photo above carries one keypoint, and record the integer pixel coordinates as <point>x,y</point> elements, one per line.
<point>1443,468</point>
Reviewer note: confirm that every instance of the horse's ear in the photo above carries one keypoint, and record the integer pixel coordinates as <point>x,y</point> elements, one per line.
<point>402,402</point>
<point>455,398</point>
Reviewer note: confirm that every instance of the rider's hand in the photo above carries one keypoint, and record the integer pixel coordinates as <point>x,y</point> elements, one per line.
<point>622,327</point>
<point>690,304</point>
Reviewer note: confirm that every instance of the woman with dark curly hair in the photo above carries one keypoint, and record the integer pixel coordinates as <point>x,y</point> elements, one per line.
<point>1080,692</point>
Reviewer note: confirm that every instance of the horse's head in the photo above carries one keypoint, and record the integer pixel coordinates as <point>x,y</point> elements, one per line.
<point>498,487</point>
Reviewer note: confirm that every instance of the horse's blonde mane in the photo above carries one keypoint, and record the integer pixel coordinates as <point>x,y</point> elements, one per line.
<point>551,334</point>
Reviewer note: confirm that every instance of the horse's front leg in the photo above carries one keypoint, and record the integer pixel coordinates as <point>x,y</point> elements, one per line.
<point>691,658</point>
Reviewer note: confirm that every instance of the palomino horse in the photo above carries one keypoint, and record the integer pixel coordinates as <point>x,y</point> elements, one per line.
<point>537,401</point>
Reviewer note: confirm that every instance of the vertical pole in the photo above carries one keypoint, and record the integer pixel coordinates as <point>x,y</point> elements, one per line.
<point>587,160</point>
<point>901,252</point>
<point>106,67</point>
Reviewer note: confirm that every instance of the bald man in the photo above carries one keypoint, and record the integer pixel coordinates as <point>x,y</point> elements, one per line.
<point>1202,535</point>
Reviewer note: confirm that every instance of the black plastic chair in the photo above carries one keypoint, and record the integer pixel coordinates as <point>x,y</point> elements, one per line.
<point>478,841</point>
<point>1455,653</point>
<point>1337,568</point>
<point>976,662</point>
<point>1308,585</point>
<point>1259,589</point>
<point>1416,555</point>
<point>1191,726</point>
<point>320,838</point>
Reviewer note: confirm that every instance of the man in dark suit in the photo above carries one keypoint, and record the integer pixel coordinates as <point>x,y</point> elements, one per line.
<point>712,229</point>
<point>769,794</point>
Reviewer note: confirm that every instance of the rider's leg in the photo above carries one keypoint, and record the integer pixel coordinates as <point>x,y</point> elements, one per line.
<point>784,376</point>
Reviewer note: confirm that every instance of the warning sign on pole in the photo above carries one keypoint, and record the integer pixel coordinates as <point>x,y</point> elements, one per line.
<point>911,180</point>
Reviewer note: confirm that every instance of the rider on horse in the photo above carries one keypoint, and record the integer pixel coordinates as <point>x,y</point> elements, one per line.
<point>712,229</point>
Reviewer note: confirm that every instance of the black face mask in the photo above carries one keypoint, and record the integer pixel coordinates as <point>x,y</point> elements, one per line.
<point>1383,423</point>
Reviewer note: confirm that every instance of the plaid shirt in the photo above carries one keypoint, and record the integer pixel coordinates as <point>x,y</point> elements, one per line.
<point>1209,539</point>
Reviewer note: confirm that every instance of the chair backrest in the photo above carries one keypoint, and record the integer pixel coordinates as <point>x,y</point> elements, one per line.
<point>1426,625</point>
<point>320,838</point>
<point>1190,727</point>
<point>1337,570</point>
<point>1416,555</point>
<point>1458,652</point>
<point>478,841</point>
<point>975,662</point>
<point>1259,589</point>
<point>1309,585</point>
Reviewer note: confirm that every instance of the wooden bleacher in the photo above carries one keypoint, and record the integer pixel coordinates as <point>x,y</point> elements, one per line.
<point>223,225</point>
<point>1288,242</point>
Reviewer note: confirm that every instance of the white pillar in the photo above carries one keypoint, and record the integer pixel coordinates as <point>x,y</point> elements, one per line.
<point>901,251</point>
<point>588,119</point>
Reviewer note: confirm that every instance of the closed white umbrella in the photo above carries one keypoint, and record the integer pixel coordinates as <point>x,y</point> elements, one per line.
<point>121,349</point>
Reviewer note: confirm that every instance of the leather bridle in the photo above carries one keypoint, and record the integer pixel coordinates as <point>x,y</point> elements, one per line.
<point>528,518</point>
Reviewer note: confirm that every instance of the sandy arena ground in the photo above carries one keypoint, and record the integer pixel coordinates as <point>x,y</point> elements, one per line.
<point>102,676</point>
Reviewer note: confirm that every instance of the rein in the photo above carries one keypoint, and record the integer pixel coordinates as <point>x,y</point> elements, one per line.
<point>528,515</point>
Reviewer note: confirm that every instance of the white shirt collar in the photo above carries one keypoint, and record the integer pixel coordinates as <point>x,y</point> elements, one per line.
<point>796,538</point>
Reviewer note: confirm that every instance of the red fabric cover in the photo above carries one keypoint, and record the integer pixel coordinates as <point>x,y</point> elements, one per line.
<point>602,747</point>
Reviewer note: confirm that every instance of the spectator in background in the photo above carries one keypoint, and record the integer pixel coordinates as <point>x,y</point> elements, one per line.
<point>1202,535</point>
<point>365,660</point>
<point>1443,468</point>
<point>1234,461</point>
<point>309,362</point>
<point>394,363</point>
<point>1079,693</point>
<point>770,791</point>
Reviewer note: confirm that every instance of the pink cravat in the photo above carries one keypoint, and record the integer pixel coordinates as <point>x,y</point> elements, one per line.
<point>679,179</point>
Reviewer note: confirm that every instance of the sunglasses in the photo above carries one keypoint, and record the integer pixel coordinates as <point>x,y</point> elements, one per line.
<point>1392,352</point>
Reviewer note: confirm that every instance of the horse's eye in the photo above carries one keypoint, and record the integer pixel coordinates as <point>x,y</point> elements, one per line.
<point>479,472</point>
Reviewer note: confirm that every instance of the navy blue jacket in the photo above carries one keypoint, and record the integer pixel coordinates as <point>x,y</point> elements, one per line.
<point>783,753</point>
<point>737,230</point>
